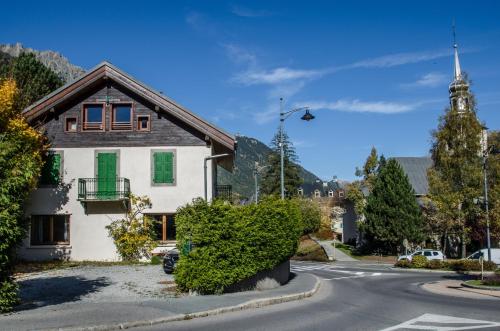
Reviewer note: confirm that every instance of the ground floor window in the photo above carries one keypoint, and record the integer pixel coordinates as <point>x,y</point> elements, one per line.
<point>164,226</point>
<point>49,230</point>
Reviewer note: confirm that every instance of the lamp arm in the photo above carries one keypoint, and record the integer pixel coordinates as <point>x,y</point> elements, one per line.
<point>287,114</point>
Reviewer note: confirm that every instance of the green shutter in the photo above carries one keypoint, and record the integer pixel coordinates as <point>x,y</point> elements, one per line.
<point>163,168</point>
<point>106,175</point>
<point>51,170</point>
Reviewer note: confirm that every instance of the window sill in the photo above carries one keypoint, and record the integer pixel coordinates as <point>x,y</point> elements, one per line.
<point>49,246</point>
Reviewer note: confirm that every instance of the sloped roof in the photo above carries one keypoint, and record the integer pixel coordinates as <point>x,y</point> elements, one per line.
<point>106,70</point>
<point>416,170</point>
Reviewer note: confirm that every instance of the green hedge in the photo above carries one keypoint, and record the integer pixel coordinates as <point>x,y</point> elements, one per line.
<point>232,243</point>
<point>455,265</point>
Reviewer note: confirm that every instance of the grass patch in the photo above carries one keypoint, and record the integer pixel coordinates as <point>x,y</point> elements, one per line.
<point>25,267</point>
<point>485,282</point>
<point>309,250</point>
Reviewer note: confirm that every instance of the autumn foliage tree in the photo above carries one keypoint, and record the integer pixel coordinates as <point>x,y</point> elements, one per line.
<point>21,150</point>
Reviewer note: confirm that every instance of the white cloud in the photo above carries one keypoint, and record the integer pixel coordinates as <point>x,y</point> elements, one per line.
<point>398,59</point>
<point>248,12</point>
<point>276,76</point>
<point>239,55</point>
<point>432,79</point>
<point>357,106</point>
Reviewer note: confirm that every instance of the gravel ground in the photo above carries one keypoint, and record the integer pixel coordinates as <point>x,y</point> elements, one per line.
<point>95,284</point>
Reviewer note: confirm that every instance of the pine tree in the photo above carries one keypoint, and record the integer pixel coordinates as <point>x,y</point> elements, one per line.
<point>392,212</point>
<point>33,79</point>
<point>271,179</point>
<point>455,180</point>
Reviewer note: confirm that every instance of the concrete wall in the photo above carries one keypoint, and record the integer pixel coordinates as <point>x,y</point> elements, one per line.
<point>88,237</point>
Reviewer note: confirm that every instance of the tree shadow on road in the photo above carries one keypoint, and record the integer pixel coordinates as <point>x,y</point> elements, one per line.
<point>49,291</point>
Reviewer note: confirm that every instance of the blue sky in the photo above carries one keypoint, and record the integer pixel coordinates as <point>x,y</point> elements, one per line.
<point>376,73</point>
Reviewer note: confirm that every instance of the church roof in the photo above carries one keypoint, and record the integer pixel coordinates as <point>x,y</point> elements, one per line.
<point>416,170</point>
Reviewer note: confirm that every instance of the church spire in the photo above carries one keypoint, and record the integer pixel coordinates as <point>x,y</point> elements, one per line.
<point>459,88</point>
<point>458,71</point>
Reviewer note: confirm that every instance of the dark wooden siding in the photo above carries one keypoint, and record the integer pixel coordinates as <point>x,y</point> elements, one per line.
<point>165,131</point>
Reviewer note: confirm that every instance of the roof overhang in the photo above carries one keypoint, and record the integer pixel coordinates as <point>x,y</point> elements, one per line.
<point>106,71</point>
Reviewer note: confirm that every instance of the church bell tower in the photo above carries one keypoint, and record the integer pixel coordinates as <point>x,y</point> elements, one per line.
<point>459,88</point>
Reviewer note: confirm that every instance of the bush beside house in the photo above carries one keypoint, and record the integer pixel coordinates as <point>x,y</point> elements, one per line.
<point>232,243</point>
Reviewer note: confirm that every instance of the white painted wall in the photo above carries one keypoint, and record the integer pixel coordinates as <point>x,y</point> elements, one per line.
<point>88,237</point>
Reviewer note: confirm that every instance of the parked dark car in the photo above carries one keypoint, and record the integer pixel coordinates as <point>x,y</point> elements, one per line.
<point>170,260</point>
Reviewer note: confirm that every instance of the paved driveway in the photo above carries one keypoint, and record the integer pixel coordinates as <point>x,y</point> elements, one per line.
<point>93,284</point>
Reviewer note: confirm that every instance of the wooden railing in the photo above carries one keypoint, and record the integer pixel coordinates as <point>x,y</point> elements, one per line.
<point>121,126</point>
<point>92,126</point>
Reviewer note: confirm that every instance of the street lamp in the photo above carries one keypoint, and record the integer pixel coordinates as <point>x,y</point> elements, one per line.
<point>283,116</point>
<point>486,151</point>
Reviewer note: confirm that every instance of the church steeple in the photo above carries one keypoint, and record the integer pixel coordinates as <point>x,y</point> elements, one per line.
<point>458,71</point>
<point>459,88</point>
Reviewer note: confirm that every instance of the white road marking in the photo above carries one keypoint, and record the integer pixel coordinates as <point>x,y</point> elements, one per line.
<point>442,323</point>
<point>376,274</point>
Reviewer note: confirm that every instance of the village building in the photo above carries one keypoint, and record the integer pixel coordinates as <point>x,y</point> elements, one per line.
<point>111,136</point>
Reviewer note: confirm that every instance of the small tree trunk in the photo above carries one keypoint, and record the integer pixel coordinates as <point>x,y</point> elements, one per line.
<point>462,254</point>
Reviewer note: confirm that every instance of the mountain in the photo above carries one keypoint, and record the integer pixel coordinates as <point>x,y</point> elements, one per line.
<point>53,60</point>
<point>251,150</point>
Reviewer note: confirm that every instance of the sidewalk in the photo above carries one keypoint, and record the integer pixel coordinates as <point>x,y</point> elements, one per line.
<point>118,315</point>
<point>333,253</point>
<point>454,287</point>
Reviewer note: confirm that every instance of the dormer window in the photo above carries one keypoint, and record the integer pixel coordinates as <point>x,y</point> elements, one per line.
<point>121,117</point>
<point>93,117</point>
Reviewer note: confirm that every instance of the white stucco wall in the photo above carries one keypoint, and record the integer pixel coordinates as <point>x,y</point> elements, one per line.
<point>88,237</point>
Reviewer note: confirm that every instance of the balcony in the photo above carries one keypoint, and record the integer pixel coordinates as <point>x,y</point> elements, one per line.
<point>103,189</point>
<point>224,192</point>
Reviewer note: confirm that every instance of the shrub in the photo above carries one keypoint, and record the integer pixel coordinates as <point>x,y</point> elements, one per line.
<point>155,260</point>
<point>403,264</point>
<point>434,264</point>
<point>470,265</point>
<point>491,281</point>
<point>133,235</point>
<point>310,214</point>
<point>232,243</point>
<point>309,250</point>
<point>419,261</point>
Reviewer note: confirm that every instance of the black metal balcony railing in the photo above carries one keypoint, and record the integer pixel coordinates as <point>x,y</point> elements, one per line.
<point>103,189</point>
<point>223,192</point>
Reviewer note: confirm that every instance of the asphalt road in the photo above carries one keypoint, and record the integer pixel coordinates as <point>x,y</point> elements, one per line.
<point>355,296</point>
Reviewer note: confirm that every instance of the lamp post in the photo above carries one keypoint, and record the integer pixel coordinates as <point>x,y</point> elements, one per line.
<point>283,116</point>
<point>256,171</point>
<point>486,152</point>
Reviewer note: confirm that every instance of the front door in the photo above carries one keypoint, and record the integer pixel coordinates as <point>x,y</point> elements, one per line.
<point>106,176</point>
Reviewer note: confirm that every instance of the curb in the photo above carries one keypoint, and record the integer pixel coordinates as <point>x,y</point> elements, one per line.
<point>256,303</point>
<point>474,273</point>
<point>481,287</point>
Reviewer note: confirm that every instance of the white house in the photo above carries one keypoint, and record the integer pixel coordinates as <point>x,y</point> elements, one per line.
<point>111,135</point>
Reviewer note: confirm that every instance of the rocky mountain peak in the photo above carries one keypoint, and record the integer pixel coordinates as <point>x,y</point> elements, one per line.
<point>53,60</point>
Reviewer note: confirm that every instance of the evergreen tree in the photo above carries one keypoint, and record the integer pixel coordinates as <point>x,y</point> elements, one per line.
<point>455,180</point>
<point>33,79</point>
<point>392,212</point>
<point>271,179</point>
